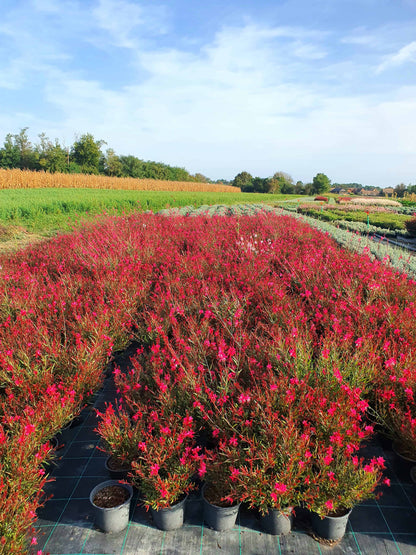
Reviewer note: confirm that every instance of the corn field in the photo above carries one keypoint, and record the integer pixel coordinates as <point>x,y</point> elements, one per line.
<point>25,179</point>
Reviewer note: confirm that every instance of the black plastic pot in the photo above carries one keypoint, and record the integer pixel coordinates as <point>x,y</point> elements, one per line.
<point>330,527</point>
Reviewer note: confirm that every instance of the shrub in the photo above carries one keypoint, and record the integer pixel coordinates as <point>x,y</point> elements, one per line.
<point>411,227</point>
<point>322,199</point>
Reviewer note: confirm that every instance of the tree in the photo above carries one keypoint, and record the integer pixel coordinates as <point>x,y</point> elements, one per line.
<point>299,188</point>
<point>52,157</point>
<point>18,152</point>
<point>308,188</point>
<point>281,182</point>
<point>131,166</point>
<point>321,183</point>
<point>86,153</point>
<point>201,178</point>
<point>261,185</point>
<point>9,154</point>
<point>28,157</point>
<point>287,188</point>
<point>112,164</point>
<point>400,190</point>
<point>180,174</point>
<point>243,180</point>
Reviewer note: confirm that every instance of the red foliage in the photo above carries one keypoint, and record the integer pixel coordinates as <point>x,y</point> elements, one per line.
<point>228,311</point>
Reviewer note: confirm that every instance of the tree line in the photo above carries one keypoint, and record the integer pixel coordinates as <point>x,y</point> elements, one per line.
<point>84,156</point>
<point>281,182</point>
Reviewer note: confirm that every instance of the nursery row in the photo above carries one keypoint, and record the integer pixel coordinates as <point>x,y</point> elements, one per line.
<point>258,333</point>
<point>351,238</point>
<point>377,216</point>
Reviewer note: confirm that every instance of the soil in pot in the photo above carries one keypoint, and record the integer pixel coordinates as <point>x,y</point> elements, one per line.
<point>114,463</point>
<point>213,496</point>
<point>111,496</point>
<point>111,505</point>
<point>118,469</point>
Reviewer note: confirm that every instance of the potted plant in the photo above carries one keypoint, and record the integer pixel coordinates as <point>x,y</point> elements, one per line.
<point>338,485</point>
<point>164,464</point>
<point>111,503</point>
<point>219,493</point>
<point>119,434</point>
<point>396,414</point>
<point>272,473</point>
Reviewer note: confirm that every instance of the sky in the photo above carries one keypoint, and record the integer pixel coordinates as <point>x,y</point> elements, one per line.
<point>220,87</point>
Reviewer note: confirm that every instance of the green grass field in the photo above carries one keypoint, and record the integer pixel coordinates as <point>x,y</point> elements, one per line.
<point>48,210</point>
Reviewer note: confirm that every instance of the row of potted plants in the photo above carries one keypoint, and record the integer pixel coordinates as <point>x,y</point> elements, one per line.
<point>285,457</point>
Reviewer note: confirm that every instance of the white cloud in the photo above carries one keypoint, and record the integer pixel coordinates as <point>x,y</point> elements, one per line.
<point>123,20</point>
<point>404,55</point>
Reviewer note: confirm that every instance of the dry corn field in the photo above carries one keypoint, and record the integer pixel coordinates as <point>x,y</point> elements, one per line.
<point>25,179</point>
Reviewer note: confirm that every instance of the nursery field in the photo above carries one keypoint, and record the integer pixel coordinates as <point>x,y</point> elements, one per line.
<point>264,359</point>
<point>385,215</point>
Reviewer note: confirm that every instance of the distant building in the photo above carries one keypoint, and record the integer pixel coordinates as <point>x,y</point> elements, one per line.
<point>369,192</point>
<point>388,191</point>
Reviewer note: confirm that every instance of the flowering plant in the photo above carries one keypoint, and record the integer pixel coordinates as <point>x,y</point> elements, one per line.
<point>119,434</point>
<point>166,460</point>
<point>339,477</point>
<point>343,483</point>
<point>271,468</point>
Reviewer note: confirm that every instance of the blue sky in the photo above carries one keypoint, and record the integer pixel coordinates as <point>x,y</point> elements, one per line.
<point>218,87</point>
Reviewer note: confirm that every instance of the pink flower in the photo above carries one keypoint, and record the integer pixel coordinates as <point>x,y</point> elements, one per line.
<point>233,441</point>
<point>29,429</point>
<point>390,362</point>
<point>325,353</point>
<point>187,421</point>
<point>154,469</point>
<point>234,473</point>
<point>202,469</point>
<point>329,505</point>
<point>244,398</point>
<point>328,458</point>
<point>280,488</point>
